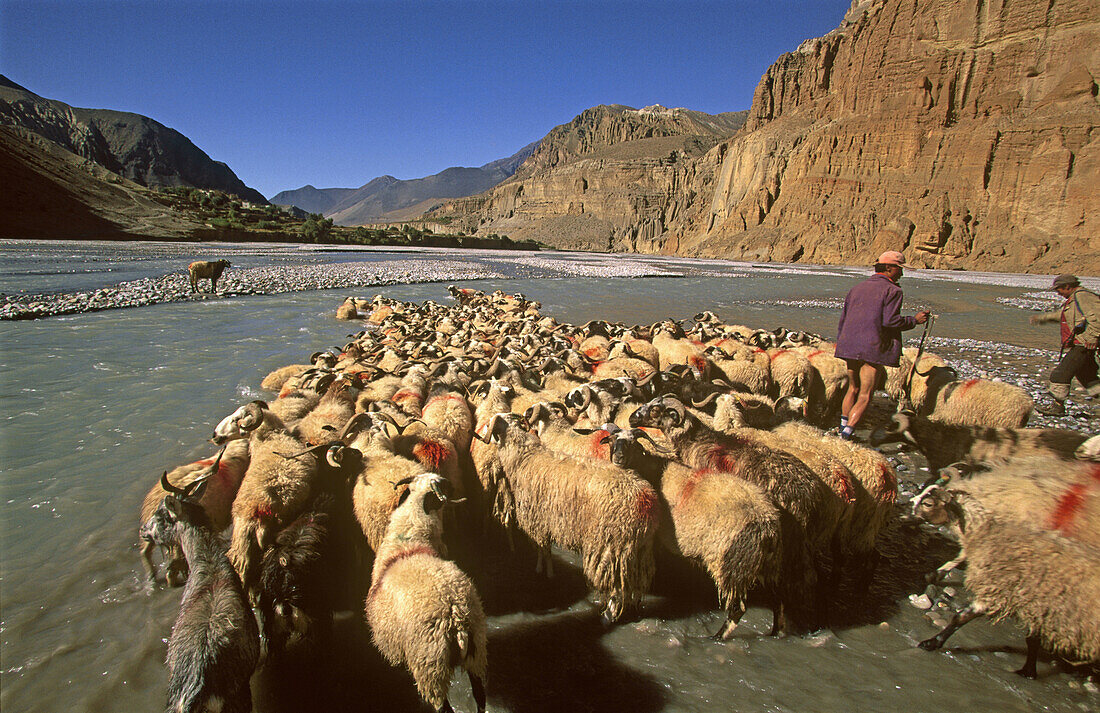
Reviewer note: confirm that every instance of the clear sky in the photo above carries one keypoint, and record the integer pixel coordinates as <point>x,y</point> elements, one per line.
<point>334,94</point>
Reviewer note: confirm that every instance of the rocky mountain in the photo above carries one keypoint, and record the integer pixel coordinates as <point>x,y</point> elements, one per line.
<point>133,146</point>
<point>613,170</point>
<point>50,192</point>
<point>314,200</point>
<point>964,132</point>
<point>390,199</point>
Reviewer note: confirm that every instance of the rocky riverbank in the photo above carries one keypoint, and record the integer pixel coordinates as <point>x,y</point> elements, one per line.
<point>236,282</point>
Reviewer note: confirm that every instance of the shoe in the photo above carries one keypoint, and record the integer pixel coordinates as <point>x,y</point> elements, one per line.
<point>1058,408</point>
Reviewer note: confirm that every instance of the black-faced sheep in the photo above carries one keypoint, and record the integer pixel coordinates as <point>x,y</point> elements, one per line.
<point>215,644</point>
<point>423,611</point>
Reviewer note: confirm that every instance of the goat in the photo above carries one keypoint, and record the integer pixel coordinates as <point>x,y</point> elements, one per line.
<point>223,476</point>
<point>200,270</point>
<point>215,643</point>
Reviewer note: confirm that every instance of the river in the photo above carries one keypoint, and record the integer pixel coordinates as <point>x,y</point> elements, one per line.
<point>97,405</point>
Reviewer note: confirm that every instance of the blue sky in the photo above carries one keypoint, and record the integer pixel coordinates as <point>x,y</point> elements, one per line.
<point>334,94</point>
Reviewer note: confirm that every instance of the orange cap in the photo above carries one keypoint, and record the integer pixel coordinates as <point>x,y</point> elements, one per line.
<point>891,257</point>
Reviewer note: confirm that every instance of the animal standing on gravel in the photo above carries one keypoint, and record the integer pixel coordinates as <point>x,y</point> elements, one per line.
<point>200,270</point>
<point>215,643</point>
<point>424,612</point>
<point>1049,583</point>
<point>944,443</point>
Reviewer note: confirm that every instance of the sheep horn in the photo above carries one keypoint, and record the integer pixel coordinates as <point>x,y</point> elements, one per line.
<point>404,481</point>
<point>707,401</point>
<point>168,487</point>
<point>678,408</point>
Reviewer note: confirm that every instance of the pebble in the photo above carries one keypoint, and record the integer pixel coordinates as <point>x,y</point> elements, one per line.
<point>920,601</point>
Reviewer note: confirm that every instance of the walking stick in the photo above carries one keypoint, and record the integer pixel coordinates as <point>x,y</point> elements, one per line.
<point>906,401</point>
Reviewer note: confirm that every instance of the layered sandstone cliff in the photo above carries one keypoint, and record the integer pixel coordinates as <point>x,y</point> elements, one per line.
<point>964,132</point>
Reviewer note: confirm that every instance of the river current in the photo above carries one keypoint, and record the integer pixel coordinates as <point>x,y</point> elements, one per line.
<point>95,406</point>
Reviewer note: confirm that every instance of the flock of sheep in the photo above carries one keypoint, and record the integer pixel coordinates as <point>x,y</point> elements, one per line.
<point>443,421</point>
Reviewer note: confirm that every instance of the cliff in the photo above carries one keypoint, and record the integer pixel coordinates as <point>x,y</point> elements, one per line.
<point>963,132</point>
<point>131,145</point>
<point>612,174</point>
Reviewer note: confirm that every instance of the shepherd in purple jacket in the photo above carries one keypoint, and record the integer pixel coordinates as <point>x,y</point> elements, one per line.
<point>869,335</point>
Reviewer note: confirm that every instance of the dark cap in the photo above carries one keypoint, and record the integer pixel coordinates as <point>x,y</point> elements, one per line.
<point>1066,280</point>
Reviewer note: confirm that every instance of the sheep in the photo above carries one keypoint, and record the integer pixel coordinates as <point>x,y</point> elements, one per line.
<point>449,412</point>
<point>223,476</point>
<point>215,642</point>
<point>499,500</point>
<point>1046,492</point>
<point>275,379</point>
<point>728,525</point>
<point>936,393</point>
<point>791,373</point>
<point>598,509</point>
<point>792,485</point>
<point>746,368</point>
<point>946,443</point>
<point>331,412</point>
<point>674,347</point>
<point>424,612</point>
<point>1049,583</point>
<point>275,488</point>
<point>830,382</point>
<point>300,573</point>
<point>200,270</point>
<point>875,487</point>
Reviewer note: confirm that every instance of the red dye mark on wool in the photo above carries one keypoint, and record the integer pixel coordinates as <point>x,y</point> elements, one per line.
<point>888,481</point>
<point>431,453</point>
<point>690,484</point>
<point>645,507</point>
<point>1068,507</point>
<point>600,450</point>
<point>721,459</point>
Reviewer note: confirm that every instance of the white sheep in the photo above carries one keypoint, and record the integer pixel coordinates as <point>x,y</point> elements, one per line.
<point>424,612</point>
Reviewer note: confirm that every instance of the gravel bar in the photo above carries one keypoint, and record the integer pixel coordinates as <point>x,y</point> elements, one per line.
<point>235,282</point>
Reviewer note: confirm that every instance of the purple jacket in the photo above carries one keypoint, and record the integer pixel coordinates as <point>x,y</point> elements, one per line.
<point>871,323</point>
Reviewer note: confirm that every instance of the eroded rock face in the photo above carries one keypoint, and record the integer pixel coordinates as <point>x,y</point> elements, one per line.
<point>598,183</point>
<point>964,133</point>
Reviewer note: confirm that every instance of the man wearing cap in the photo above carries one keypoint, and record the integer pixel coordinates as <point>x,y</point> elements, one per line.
<point>869,335</point>
<point>1079,316</point>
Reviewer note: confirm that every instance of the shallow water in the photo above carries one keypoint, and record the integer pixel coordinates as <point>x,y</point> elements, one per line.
<point>96,406</point>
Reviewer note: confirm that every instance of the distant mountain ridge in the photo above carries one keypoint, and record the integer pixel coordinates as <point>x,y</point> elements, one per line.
<point>134,146</point>
<point>611,172</point>
<point>388,199</point>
